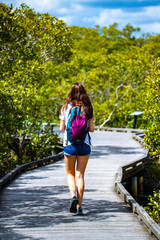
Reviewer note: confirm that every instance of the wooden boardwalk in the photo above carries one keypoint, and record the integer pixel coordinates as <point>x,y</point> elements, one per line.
<point>35,205</point>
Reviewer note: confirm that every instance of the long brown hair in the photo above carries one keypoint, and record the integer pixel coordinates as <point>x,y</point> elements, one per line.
<point>79,97</point>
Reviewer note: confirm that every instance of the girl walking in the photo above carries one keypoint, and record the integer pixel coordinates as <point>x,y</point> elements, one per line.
<point>76,155</point>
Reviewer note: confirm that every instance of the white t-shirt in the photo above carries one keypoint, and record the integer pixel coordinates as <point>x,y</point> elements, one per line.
<point>64,116</point>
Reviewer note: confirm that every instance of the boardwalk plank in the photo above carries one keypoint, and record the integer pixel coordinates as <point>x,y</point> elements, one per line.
<point>35,205</point>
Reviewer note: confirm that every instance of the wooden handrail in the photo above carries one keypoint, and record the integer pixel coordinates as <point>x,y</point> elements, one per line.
<point>131,130</point>
<point>27,166</point>
<point>125,172</point>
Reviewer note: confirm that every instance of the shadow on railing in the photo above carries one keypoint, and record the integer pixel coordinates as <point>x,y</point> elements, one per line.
<point>127,171</point>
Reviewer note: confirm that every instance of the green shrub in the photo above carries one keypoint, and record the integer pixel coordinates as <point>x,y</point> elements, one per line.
<point>153,206</point>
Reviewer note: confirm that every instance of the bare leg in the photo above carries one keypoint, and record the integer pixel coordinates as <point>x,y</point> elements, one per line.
<point>70,162</point>
<point>81,166</point>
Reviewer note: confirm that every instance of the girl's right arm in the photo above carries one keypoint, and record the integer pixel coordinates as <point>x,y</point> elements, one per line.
<point>91,125</point>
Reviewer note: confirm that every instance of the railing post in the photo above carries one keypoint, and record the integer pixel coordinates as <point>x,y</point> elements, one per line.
<point>140,185</point>
<point>134,186</point>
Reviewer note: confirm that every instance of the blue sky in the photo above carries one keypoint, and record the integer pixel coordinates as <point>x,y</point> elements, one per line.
<point>88,13</point>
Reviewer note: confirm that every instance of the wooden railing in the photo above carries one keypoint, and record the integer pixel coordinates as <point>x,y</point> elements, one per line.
<point>28,166</point>
<point>110,129</point>
<point>127,171</point>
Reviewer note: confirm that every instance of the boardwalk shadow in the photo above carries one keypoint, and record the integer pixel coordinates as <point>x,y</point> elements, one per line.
<point>48,211</point>
<point>103,209</point>
<point>47,207</point>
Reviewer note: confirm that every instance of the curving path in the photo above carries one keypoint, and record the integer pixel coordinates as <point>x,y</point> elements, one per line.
<point>35,205</point>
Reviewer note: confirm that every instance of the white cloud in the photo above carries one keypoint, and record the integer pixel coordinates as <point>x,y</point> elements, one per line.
<point>76,12</point>
<point>78,7</point>
<point>152,12</point>
<point>83,1</point>
<point>41,5</point>
<point>64,11</point>
<point>68,20</point>
<point>147,17</point>
<point>106,17</point>
<point>151,27</point>
<point>74,8</point>
<point>72,14</point>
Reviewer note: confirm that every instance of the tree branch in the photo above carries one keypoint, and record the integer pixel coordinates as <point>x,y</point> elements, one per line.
<point>116,104</point>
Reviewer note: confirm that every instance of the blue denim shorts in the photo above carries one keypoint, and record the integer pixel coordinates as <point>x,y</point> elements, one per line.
<point>77,150</point>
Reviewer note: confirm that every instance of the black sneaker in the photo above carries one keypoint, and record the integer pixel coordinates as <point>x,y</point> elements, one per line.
<point>79,211</point>
<point>73,207</point>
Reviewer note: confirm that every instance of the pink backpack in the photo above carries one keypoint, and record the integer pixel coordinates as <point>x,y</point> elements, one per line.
<point>77,125</point>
